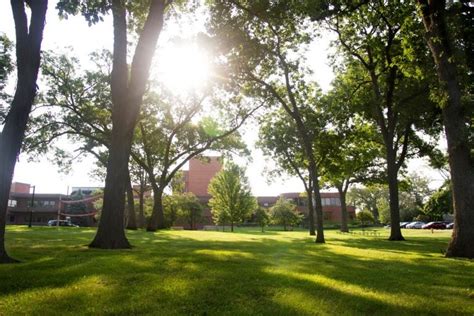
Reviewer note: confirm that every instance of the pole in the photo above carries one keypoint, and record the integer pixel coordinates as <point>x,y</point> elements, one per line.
<point>59,211</point>
<point>31,206</point>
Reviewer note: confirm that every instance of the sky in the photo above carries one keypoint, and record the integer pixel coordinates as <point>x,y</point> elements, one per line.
<point>75,36</point>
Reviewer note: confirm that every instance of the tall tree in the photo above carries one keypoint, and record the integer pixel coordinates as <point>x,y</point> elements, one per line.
<point>375,41</point>
<point>351,157</point>
<point>75,105</point>
<point>167,138</point>
<point>231,198</point>
<point>279,141</point>
<point>6,67</point>
<point>262,42</point>
<point>447,27</point>
<point>29,37</point>
<point>128,84</point>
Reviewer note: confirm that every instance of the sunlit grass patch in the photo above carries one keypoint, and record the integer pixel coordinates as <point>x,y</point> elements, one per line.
<point>247,272</point>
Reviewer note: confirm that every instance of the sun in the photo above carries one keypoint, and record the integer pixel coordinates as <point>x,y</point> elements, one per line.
<point>183,68</point>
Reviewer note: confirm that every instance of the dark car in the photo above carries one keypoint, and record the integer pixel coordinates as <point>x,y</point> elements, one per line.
<point>404,224</point>
<point>434,225</point>
<point>450,226</point>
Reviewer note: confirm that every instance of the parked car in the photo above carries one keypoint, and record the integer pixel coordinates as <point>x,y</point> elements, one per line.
<point>415,225</point>
<point>404,224</point>
<point>434,225</point>
<point>450,226</point>
<point>54,222</point>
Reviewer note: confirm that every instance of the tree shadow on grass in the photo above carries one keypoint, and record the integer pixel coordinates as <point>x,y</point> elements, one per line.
<point>184,275</point>
<point>421,245</point>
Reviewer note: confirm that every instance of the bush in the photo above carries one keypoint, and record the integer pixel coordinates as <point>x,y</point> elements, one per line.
<point>365,217</point>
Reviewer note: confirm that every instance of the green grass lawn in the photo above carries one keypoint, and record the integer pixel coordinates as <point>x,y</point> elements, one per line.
<point>248,272</point>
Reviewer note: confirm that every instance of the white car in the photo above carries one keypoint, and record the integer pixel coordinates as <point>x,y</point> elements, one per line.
<point>415,225</point>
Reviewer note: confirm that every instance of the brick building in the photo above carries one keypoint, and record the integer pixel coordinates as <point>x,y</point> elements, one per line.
<point>200,173</point>
<point>331,205</point>
<point>45,206</point>
<point>196,181</point>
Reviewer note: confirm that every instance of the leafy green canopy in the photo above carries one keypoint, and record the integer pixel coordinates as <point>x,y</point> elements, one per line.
<point>6,67</point>
<point>231,200</point>
<point>440,203</point>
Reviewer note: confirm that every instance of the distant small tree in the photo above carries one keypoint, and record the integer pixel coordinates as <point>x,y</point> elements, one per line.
<point>284,213</point>
<point>189,208</point>
<point>231,198</point>
<point>365,218</point>
<point>262,218</point>
<point>170,210</point>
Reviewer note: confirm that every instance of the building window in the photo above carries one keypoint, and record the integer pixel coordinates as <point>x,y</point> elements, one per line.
<point>327,216</point>
<point>12,219</point>
<point>335,201</point>
<point>12,203</point>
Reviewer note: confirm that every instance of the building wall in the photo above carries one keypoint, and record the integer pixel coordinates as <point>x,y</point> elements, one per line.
<point>200,174</point>
<point>332,211</point>
<point>45,208</point>
<point>18,187</point>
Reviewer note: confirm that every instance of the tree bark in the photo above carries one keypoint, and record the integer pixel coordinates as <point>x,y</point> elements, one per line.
<point>344,215</point>
<point>141,201</point>
<point>28,48</point>
<point>232,226</point>
<point>319,213</point>
<point>132,218</point>
<point>141,209</point>
<point>392,177</point>
<point>455,124</point>
<point>127,94</point>
<point>309,192</point>
<point>157,219</point>
<point>313,173</point>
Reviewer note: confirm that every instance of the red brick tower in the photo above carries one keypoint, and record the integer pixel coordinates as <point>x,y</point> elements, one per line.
<point>200,174</point>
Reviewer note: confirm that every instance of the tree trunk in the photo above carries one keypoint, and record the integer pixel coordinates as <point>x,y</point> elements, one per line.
<point>344,215</point>
<point>314,180</point>
<point>28,48</point>
<point>141,207</point>
<point>110,233</point>
<point>232,226</point>
<point>395,231</point>
<point>128,87</point>
<point>455,123</point>
<point>157,219</point>
<point>309,192</point>
<point>319,214</point>
<point>375,213</point>
<point>132,218</point>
